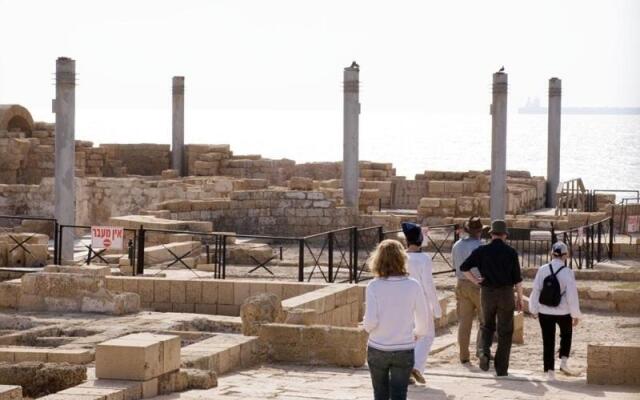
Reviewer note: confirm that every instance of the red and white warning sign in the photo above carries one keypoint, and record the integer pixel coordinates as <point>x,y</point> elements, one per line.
<point>107,237</point>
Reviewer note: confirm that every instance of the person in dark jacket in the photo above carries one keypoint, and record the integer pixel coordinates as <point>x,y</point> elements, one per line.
<point>499,269</point>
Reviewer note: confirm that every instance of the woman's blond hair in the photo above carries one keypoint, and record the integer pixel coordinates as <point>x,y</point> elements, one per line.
<point>389,259</point>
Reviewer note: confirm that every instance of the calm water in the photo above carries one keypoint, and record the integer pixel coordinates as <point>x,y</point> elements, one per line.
<point>604,150</point>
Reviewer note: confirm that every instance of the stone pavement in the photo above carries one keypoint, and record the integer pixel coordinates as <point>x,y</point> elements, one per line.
<point>289,382</point>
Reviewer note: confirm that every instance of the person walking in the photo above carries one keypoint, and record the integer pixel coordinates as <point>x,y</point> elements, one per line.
<point>554,301</point>
<point>499,269</point>
<point>395,317</point>
<point>420,268</point>
<point>467,292</point>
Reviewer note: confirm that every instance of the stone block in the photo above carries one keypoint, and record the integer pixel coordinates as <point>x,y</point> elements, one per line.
<point>150,388</point>
<point>145,290</point>
<point>193,292</point>
<point>161,291</point>
<point>518,328</point>
<point>10,392</point>
<point>178,291</point>
<point>71,356</point>
<point>209,292</point>
<point>35,255</point>
<point>139,357</point>
<point>240,292</point>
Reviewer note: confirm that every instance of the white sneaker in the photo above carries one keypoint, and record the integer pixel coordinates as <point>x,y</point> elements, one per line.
<point>551,375</point>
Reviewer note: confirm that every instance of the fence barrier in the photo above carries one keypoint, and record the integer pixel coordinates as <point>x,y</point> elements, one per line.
<point>339,255</point>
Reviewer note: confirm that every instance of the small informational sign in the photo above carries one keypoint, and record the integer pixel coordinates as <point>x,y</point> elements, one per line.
<point>107,237</point>
<point>633,224</point>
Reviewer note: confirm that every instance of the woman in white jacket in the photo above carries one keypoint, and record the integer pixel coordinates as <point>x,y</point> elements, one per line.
<point>394,318</point>
<point>566,314</point>
<point>420,268</point>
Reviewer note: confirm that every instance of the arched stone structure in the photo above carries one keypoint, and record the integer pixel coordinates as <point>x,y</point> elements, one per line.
<point>15,117</point>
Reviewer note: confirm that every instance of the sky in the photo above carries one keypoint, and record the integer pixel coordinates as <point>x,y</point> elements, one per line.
<point>427,56</point>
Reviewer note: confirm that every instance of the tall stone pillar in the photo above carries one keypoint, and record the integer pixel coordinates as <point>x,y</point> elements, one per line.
<point>499,146</point>
<point>350,167</point>
<point>65,155</point>
<point>553,140</point>
<point>177,126</point>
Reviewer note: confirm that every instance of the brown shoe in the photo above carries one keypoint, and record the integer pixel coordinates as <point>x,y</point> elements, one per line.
<point>412,381</point>
<point>417,375</point>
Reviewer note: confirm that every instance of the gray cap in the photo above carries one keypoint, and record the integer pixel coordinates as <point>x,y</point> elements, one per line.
<point>559,249</point>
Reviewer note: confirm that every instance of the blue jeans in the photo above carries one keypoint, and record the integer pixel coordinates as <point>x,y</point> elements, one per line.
<point>390,371</point>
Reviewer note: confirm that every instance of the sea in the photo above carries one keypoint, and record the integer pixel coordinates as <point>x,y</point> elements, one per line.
<point>603,150</point>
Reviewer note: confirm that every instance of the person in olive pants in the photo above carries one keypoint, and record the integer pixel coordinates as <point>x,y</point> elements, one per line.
<point>500,274</point>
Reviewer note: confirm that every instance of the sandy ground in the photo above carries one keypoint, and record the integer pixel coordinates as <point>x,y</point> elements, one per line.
<point>593,328</point>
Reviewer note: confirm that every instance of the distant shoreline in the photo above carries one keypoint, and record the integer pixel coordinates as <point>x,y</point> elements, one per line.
<point>584,110</point>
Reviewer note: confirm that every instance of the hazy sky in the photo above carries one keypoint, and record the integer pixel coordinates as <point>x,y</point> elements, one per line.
<point>424,55</point>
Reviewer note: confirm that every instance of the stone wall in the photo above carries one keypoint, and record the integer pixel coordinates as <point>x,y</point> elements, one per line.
<point>316,344</point>
<point>337,305</point>
<point>66,292</point>
<point>464,194</point>
<point>613,364</point>
<point>202,296</point>
<point>140,159</point>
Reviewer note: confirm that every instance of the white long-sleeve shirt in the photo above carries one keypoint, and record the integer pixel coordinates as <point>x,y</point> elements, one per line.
<point>420,268</point>
<point>395,313</point>
<point>569,303</point>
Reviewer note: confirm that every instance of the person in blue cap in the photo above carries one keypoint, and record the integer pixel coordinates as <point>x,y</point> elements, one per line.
<point>420,268</point>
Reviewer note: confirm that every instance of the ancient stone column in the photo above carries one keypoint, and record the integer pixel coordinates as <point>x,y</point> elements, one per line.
<point>177,127</point>
<point>350,168</point>
<point>65,155</point>
<point>553,140</point>
<point>499,146</point>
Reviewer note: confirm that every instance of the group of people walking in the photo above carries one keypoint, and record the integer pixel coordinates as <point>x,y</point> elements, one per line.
<point>401,305</point>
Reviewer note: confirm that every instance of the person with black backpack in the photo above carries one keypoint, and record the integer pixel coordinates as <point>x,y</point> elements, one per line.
<point>554,301</point>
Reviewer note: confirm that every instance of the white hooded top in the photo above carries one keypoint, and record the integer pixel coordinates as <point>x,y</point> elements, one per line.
<point>569,303</point>
<point>395,313</point>
<point>421,269</point>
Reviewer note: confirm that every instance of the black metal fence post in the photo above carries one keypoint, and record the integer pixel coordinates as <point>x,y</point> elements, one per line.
<point>330,256</point>
<point>456,235</point>
<point>140,245</point>
<point>224,256</point>
<point>61,232</point>
<point>611,234</point>
<point>380,234</point>
<point>354,264</point>
<point>300,260</point>
<point>55,242</point>
<point>599,249</point>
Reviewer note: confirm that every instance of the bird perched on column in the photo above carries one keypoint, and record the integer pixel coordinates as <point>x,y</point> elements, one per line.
<point>354,65</point>
<point>501,69</point>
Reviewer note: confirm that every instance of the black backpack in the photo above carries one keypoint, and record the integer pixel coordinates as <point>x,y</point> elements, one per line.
<point>550,295</point>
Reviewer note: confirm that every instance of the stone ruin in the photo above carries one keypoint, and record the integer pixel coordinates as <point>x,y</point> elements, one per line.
<point>71,326</point>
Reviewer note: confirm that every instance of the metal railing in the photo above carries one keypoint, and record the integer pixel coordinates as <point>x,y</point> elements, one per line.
<point>439,240</point>
<point>130,239</point>
<point>339,255</point>
<point>571,195</point>
<point>7,225</point>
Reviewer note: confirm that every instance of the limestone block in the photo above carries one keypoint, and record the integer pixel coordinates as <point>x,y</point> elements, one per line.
<point>301,316</point>
<point>243,253</point>
<point>4,247</point>
<point>518,328</point>
<point>300,183</point>
<point>15,257</point>
<point>10,293</point>
<point>10,392</point>
<point>429,202</point>
<point>170,174</point>
<point>139,357</point>
<point>35,255</point>
<point>92,270</point>
<point>260,309</point>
